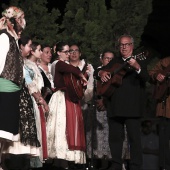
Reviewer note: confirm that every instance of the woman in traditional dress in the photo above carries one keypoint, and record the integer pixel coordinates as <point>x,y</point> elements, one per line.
<point>28,144</point>
<point>45,69</point>
<point>11,74</point>
<point>65,127</point>
<point>34,82</point>
<point>77,60</point>
<point>97,133</point>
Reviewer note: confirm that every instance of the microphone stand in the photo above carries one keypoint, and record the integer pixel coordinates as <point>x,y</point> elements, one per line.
<point>92,123</point>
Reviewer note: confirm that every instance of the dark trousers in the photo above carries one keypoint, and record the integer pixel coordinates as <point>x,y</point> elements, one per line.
<point>164,143</point>
<point>116,137</point>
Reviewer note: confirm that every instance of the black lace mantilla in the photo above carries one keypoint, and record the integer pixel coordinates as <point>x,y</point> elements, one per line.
<point>28,131</point>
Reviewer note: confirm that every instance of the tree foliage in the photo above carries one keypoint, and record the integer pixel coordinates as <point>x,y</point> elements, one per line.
<point>41,24</point>
<point>132,16</point>
<point>96,26</point>
<point>85,22</point>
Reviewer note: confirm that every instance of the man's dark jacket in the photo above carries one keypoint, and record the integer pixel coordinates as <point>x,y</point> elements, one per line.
<point>128,100</point>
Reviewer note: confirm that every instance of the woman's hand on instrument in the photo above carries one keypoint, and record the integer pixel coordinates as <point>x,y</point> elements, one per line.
<point>160,77</point>
<point>89,69</point>
<point>83,80</point>
<point>104,75</point>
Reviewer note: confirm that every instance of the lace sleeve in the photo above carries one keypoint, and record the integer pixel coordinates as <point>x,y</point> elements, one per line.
<point>32,87</point>
<point>31,84</point>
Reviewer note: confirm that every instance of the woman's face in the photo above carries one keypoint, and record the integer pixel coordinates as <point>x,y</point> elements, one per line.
<point>21,21</point>
<point>108,56</point>
<point>26,49</point>
<point>64,54</point>
<point>74,53</point>
<point>46,55</point>
<point>37,53</point>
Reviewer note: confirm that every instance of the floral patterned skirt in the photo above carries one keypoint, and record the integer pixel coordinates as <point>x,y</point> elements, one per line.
<point>56,132</point>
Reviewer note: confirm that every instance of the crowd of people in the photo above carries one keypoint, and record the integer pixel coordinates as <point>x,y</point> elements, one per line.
<point>57,110</point>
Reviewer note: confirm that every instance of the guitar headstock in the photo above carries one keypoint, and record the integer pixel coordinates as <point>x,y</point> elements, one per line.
<point>142,56</point>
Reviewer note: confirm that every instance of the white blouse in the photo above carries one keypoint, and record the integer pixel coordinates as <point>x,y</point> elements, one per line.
<point>4,48</point>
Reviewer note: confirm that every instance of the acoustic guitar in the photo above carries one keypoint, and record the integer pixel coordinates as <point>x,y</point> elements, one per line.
<point>162,89</point>
<point>74,86</point>
<point>117,73</point>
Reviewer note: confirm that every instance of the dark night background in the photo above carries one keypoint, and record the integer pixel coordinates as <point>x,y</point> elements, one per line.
<point>157,31</point>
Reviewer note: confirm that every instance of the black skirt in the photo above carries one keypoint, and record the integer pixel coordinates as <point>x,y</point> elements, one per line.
<point>9,112</point>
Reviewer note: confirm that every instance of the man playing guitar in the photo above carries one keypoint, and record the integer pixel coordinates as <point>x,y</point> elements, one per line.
<point>160,77</point>
<point>125,105</point>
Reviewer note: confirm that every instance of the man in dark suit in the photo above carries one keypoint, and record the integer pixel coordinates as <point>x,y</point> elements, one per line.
<point>125,105</point>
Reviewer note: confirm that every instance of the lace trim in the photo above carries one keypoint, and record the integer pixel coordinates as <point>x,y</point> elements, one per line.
<point>28,130</point>
<point>32,88</point>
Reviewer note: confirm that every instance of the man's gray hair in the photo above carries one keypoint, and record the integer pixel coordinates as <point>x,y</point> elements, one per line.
<point>126,35</point>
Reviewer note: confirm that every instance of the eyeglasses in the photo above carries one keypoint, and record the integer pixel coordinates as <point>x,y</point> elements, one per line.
<point>125,45</point>
<point>66,52</point>
<point>74,51</point>
<point>107,58</point>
